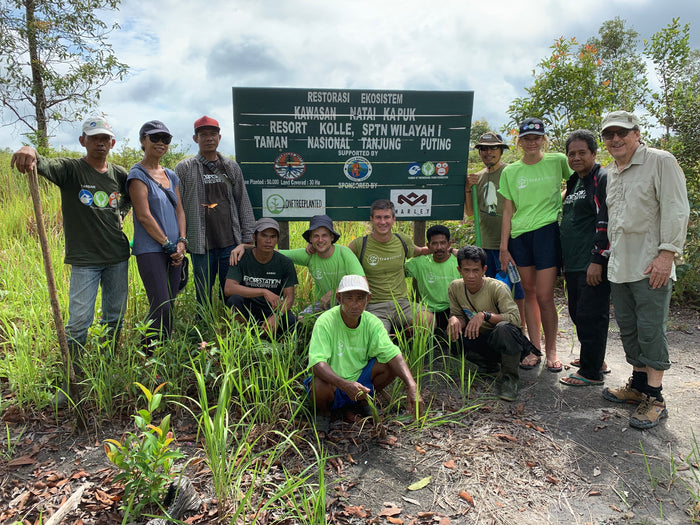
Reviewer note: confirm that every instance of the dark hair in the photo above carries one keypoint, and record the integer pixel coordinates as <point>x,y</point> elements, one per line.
<point>471,253</point>
<point>586,136</point>
<point>438,229</point>
<point>382,204</point>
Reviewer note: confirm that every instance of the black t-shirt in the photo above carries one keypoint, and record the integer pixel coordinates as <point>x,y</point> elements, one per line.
<point>90,203</point>
<point>275,275</point>
<point>219,227</point>
<point>577,229</point>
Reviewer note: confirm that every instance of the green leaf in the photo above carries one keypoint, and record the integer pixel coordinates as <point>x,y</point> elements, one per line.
<point>421,483</point>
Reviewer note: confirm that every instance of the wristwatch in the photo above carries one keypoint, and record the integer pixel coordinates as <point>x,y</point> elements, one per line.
<point>487,316</point>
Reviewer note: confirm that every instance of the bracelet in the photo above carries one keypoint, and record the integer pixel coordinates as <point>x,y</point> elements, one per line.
<point>169,247</point>
<point>183,240</point>
<point>487,316</point>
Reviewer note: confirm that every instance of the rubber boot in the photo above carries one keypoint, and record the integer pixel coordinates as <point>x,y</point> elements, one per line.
<point>508,381</point>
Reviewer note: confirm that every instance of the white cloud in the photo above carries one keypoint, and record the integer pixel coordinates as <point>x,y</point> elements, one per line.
<point>186,56</point>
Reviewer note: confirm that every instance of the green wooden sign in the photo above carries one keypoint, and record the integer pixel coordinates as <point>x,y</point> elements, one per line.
<point>310,151</point>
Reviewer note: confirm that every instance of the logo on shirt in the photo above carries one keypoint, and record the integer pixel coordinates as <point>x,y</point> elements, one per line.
<point>318,274</point>
<point>85,197</point>
<point>373,260</point>
<point>101,199</point>
<point>113,199</point>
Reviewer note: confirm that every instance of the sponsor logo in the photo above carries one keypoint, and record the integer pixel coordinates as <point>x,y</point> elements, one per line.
<point>412,199</point>
<point>428,168</point>
<point>357,169</point>
<point>289,166</point>
<point>274,204</point>
<point>441,168</point>
<point>412,202</point>
<point>101,199</point>
<point>85,197</point>
<point>373,260</point>
<point>413,169</point>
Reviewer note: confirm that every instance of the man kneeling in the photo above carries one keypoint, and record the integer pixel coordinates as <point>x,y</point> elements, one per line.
<point>351,356</point>
<point>485,322</point>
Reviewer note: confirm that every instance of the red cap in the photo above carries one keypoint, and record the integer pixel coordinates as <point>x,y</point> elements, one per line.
<point>205,122</point>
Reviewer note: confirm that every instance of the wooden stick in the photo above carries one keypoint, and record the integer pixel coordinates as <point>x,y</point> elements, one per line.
<point>69,506</point>
<point>51,282</point>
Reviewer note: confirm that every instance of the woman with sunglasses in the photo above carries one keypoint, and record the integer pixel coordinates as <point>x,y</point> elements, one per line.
<point>159,228</point>
<point>530,233</point>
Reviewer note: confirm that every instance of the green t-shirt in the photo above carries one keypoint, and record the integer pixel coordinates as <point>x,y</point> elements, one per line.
<point>535,191</point>
<point>490,208</point>
<point>327,273</point>
<point>348,350</point>
<point>433,279</point>
<point>383,265</point>
<point>578,223</point>
<point>275,275</point>
<point>90,203</point>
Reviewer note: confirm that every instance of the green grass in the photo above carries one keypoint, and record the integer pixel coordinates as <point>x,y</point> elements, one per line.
<point>244,391</point>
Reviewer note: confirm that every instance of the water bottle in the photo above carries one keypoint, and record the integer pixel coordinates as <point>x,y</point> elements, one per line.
<point>513,274</point>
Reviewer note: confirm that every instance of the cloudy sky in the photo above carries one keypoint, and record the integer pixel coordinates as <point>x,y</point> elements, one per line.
<point>186,56</point>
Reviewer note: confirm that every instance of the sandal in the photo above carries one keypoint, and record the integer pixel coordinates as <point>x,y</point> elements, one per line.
<point>555,366</point>
<point>584,381</point>
<point>531,365</point>
<point>605,370</point>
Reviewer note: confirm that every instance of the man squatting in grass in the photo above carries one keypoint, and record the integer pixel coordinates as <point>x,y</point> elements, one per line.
<point>352,356</point>
<point>585,250</point>
<point>485,322</point>
<point>647,223</point>
<point>382,255</point>
<point>490,203</point>
<point>93,204</point>
<point>433,274</point>
<point>217,207</point>
<point>261,286</point>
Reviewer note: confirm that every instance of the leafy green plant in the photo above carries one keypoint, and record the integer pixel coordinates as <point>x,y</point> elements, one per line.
<point>145,456</point>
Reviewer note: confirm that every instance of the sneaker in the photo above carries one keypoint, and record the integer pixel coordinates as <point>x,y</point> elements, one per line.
<point>626,394</point>
<point>648,413</point>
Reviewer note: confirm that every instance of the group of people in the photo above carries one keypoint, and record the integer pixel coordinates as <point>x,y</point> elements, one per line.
<point>615,234</point>
<point>619,233</point>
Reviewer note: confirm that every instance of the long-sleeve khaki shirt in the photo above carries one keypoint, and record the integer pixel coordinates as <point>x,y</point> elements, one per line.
<point>647,212</point>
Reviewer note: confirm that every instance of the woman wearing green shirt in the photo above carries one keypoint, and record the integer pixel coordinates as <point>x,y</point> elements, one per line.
<point>530,233</point>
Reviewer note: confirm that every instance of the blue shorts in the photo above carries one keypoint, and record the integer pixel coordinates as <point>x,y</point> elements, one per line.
<point>540,248</point>
<point>493,269</point>
<point>341,398</point>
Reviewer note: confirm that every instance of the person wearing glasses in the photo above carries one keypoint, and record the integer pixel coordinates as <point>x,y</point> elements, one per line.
<point>530,239</point>
<point>159,229</point>
<point>217,207</point>
<point>647,224</point>
<point>93,204</point>
<point>490,203</point>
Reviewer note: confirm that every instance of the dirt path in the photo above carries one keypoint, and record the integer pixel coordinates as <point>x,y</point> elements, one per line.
<point>558,455</point>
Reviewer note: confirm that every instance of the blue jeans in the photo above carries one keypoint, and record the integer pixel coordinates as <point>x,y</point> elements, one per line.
<point>84,281</point>
<point>205,268</point>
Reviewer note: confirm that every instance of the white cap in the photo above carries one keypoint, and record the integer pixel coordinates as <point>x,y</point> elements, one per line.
<point>353,282</point>
<point>97,126</point>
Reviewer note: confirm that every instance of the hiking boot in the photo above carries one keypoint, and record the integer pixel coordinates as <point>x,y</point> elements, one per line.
<point>508,389</point>
<point>648,413</point>
<point>626,394</point>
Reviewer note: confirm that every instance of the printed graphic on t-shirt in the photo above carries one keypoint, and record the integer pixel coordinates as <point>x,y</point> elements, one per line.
<point>85,197</point>
<point>490,198</point>
<point>261,282</point>
<point>101,199</point>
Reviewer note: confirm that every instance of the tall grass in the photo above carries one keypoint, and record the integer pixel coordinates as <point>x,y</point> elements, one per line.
<point>244,390</point>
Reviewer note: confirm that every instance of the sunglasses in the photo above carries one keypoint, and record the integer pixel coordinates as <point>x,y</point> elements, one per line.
<point>492,148</point>
<point>609,134</point>
<point>160,137</point>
